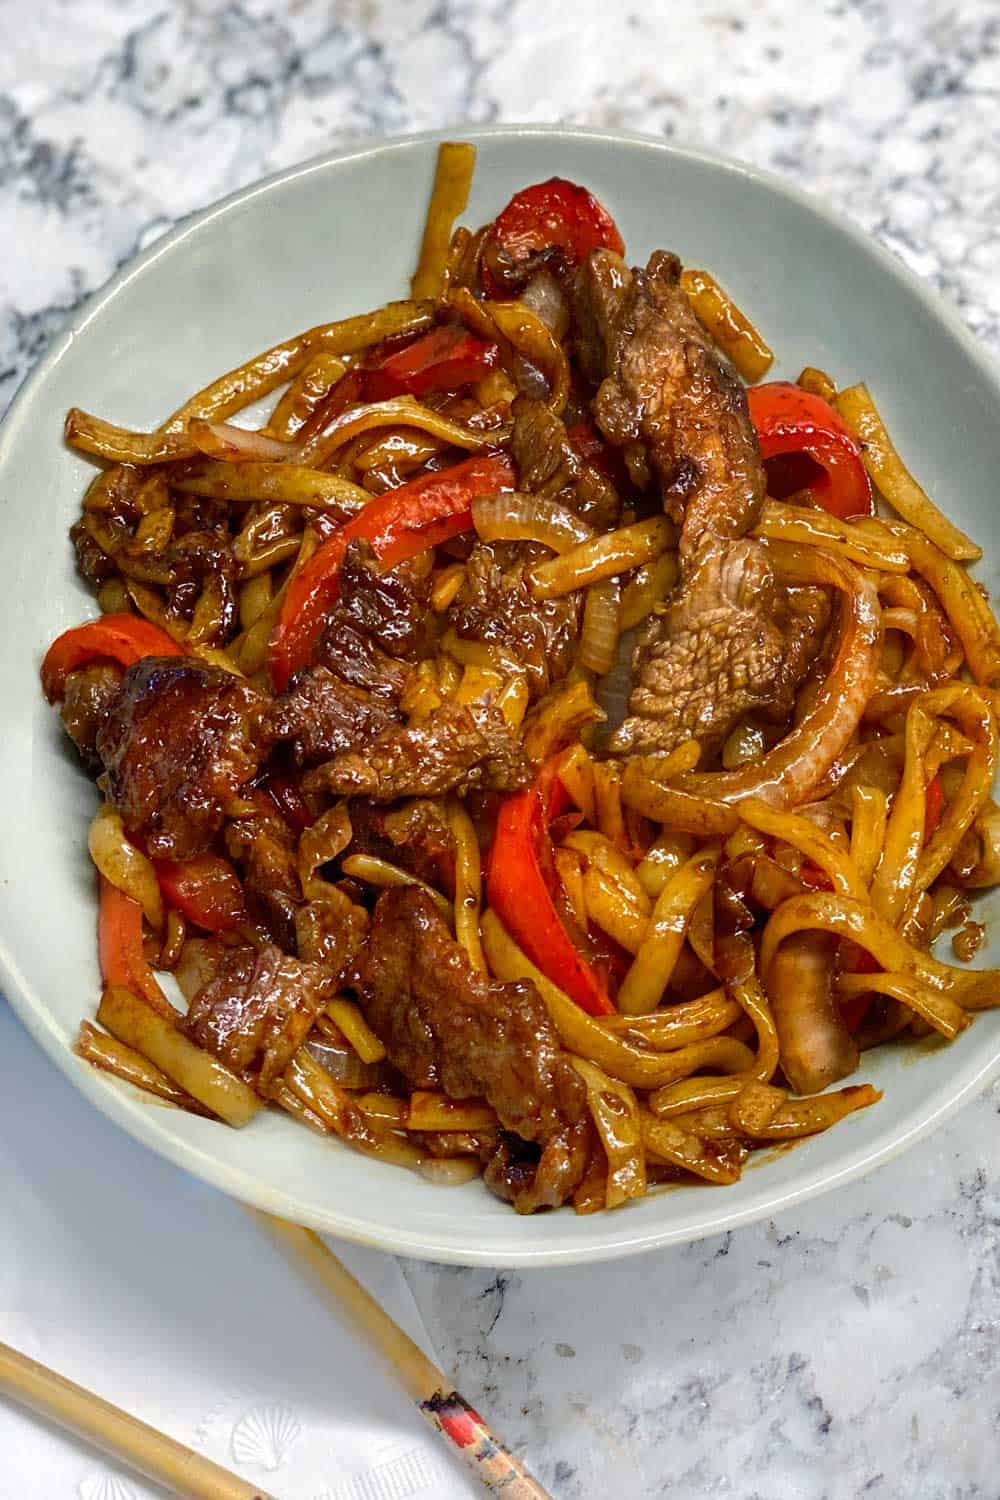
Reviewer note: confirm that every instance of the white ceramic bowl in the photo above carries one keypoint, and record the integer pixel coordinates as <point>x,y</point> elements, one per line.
<point>336,236</point>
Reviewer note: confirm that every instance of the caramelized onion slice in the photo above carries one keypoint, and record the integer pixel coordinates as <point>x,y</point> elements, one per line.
<point>528,518</point>
<point>343,1064</point>
<point>815,1046</point>
<point>599,637</point>
<point>224,440</point>
<point>544,297</point>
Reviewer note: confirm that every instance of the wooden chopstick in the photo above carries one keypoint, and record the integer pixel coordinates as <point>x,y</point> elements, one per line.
<point>150,1453</point>
<point>435,1397</point>
<point>189,1474</point>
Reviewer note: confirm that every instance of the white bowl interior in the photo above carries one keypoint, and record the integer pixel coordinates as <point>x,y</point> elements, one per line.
<point>335,237</point>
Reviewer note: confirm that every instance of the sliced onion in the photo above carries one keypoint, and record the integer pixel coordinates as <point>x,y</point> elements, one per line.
<point>815,1046</point>
<point>528,378</point>
<point>535,342</point>
<point>450,1171</point>
<point>200,957</point>
<point>599,638</point>
<point>343,1064</point>
<point>544,297</point>
<point>125,866</point>
<point>401,411</point>
<point>238,444</point>
<point>528,518</point>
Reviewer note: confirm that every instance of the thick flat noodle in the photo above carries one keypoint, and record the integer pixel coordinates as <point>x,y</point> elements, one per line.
<point>178,742</point>
<point>257,1010</point>
<point>444,1025</point>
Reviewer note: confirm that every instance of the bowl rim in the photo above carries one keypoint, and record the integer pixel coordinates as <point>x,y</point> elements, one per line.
<point>616,1241</point>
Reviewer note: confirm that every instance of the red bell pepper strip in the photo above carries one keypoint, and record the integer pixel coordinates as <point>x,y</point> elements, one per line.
<point>205,890</point>
<point>588,443</point>
<point>517,891</point>
<point>933,806</point>
<point>338,398</point>
<point>549,213</point>
<point>289,801</point>
<point>398,524</point>
<point>598,454</point>
<point>442,360</point>
<point>814,877</point>
<point>854,1008</point>
<point>119,948</point>
<point>791,421</point>
<point>122,638</point>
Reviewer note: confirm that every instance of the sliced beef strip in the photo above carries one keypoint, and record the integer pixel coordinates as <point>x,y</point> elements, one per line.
<point>380,623</point>
<point>732,642</point>
<point>667,387</point>
<point>444,1025</point>
<point>532,1179</point>
<point>733,639</point>
<point>495,605</point>
<point>331,931</point>
<point>263,847</point>
<point>92,562</point>
<point>599,292</point>
<point>322,715</point>
<point>481,1143</point>
<point>390,607</point>
<point>414,835</point>
<point>351,655</point>
<point>350,696</point>
<point>348,701</point>
<point>88,696</point>
<point>549,465</point>
<point>191,563</point>
<point>257,1010</point>
<point>179,741</point>
<point>460,747</point>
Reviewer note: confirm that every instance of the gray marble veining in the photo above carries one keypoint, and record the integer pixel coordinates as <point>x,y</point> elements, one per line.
<point>851,1348</point>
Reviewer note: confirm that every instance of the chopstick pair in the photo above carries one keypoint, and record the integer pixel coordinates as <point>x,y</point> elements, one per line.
<point>183,1472</point>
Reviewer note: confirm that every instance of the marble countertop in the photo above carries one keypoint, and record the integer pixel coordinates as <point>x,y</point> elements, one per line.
<point>851,1347</point>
